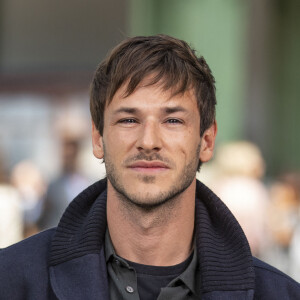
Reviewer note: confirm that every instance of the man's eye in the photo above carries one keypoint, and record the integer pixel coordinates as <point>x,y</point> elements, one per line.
<point>127,121</point>
<point>174,121</point>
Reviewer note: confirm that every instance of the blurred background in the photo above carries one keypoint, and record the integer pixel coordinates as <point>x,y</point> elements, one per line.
<point>48,53</point>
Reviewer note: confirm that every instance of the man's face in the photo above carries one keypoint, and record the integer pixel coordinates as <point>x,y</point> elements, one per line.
<point>151,144</point>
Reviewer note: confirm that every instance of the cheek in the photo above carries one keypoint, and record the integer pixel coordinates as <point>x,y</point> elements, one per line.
<point>183,147</point>
<point>190,147</point>
<point>118,142</point>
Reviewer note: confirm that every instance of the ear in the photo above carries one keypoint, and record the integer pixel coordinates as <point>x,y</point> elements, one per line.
<point>208,143</point>
<point>97,142</point>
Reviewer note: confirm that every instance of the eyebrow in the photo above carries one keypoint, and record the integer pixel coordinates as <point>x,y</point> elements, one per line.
<point>129,110</point>
<point>167,110</point>
<point>170,110</point>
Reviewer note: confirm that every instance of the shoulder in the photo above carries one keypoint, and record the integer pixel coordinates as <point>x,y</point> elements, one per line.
<point>25,263</point>
<point>34,246</point>
<point>271,283</point>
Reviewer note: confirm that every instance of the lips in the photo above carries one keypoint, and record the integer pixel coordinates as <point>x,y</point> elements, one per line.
<point>148,166</point>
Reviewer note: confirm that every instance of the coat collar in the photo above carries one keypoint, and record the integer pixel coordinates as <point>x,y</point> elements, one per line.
<point>77,262</point>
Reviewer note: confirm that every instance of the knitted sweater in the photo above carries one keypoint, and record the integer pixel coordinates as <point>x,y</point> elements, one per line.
<point>68,262</point>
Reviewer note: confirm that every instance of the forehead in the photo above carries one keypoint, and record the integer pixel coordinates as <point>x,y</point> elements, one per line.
<point>153,95</point>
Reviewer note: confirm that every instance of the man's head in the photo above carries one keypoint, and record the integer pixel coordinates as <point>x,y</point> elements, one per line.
<point>172,63</point>
<point>153,110</point>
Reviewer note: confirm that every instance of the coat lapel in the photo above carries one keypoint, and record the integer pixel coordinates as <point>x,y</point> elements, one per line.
<point>223,251</point>
<point>229,295</point>
<point>77,263</point>
<point>81,278</point>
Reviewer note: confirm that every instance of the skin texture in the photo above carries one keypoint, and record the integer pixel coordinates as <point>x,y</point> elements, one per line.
<point>151,144</point>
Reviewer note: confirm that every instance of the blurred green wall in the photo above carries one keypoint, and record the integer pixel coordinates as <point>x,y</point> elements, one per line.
<point>284,150</point>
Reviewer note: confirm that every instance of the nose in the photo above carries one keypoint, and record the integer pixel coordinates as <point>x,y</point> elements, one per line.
<point>149,137</point>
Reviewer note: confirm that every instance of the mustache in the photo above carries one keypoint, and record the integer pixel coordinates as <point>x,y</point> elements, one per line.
<point>148,157</point>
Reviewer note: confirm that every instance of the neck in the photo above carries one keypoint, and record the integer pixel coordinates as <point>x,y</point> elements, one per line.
<point>160,237</point>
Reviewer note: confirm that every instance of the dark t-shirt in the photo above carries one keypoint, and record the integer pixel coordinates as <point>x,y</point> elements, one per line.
<point>150,279</point>
<point>132,281</point>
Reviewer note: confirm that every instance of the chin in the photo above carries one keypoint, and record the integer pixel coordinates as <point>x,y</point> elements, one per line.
<point>148,203</point>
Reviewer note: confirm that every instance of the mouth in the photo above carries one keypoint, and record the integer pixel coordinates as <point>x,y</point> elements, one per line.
<point>148,166</point>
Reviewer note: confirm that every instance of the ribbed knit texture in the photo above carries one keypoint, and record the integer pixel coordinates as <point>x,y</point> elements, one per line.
<point>223,251</point>
<point>81,229</point>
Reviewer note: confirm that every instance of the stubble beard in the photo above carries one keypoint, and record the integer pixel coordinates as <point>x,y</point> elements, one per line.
<point>147,202</point>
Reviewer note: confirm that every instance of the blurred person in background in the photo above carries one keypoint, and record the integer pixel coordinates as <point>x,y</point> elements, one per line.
<point>284,222</point>
<point>63,189</point>
<point>294,250</point>
<point>149,230</point>
<point>28,180</point>
<point>11,214</point>
<point>241,168</point>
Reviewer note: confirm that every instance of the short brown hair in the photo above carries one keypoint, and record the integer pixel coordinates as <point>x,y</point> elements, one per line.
<point>172,62</point>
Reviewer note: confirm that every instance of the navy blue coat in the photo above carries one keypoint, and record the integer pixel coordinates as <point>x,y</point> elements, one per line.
<point>68,262</point>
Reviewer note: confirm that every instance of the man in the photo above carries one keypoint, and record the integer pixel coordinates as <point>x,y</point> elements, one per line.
<point>150,230</point>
